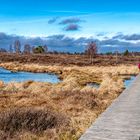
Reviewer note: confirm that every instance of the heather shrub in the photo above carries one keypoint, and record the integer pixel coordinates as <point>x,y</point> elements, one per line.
<point>33,120</point>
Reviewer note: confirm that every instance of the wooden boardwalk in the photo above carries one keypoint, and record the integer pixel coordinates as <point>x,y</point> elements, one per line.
<point>121,121</point>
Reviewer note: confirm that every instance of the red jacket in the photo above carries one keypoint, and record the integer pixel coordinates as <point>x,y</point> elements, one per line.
<point>139,65</point>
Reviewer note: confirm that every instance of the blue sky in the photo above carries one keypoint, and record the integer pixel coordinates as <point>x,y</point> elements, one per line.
<point>68,25</point>
<point>30,17</point>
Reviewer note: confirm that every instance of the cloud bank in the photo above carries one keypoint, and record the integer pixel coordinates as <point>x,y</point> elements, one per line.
<point>72,27</point>
<point>68,44</point>
<point>70,21</point>
<point>52,20</point>
<point>71,24</point>
<point>133,37</point>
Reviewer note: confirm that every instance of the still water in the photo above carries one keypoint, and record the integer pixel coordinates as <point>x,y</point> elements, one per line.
<point>128,82</point>
<point>93,85</point>
<point>8,76</point>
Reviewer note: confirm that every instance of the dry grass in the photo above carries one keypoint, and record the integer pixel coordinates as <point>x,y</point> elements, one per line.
<point>71,98</point>
<point>81,107</point>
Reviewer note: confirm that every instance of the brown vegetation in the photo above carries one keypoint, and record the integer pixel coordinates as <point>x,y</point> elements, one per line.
<point>63,111</point>
<point>66,59</point>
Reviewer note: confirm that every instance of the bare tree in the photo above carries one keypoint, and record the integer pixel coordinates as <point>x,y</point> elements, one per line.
<point>45,47</point>
<point>10,48</point>
<point>27,49</point>
<point>33,49</point>
<point>17,46</point>
<point>92,50</point>
<point>116,54</point>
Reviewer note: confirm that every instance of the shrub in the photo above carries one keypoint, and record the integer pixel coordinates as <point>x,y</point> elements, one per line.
<point>108,53</point>
<point>39,49</point>
<point>28,120</point>
<point>126,53</point>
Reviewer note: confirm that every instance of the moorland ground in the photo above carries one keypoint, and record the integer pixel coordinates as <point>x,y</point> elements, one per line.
<point>63,111</point>
<point>70,59</point>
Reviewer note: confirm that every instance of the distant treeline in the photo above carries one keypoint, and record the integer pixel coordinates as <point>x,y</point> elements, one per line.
<point>91,50</point>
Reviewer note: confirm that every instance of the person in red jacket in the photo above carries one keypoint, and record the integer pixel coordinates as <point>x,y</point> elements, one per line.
<point>139,66</point>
